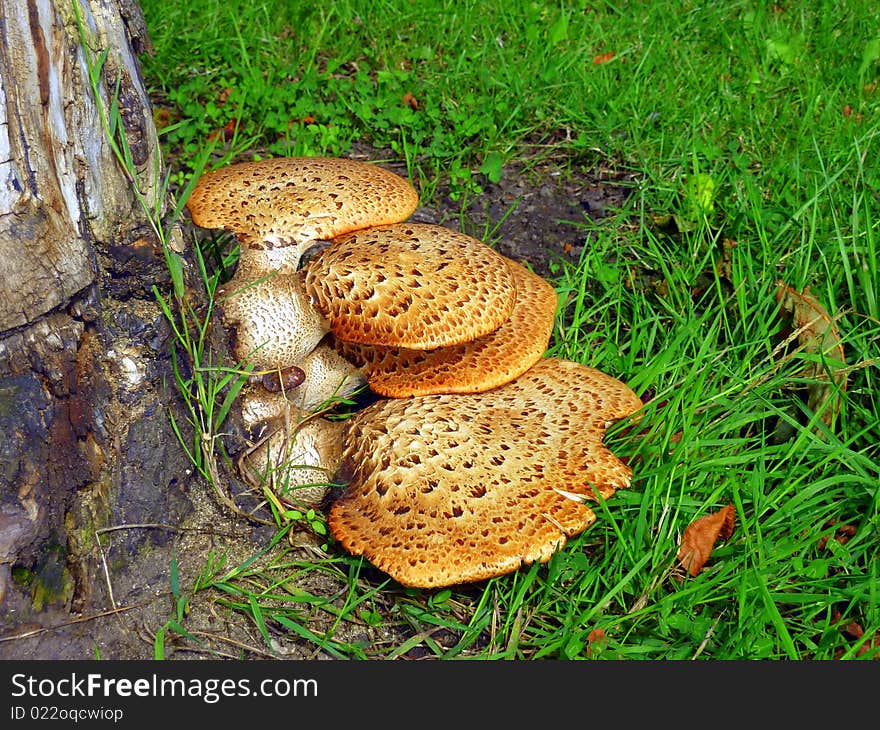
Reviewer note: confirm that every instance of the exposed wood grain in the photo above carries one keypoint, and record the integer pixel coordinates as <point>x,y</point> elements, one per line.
<point>61,190</point>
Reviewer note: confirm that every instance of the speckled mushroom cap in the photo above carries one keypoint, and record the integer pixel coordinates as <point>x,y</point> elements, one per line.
<point>291,201</point>
<point>448,489</point>
<point>411,285</point>
<point>326,374</point>
<point>470,367</point>
<point>296,459</point>
<point>271,321</point>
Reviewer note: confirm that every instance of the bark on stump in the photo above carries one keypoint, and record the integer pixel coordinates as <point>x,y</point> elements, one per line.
<point>85,378</point>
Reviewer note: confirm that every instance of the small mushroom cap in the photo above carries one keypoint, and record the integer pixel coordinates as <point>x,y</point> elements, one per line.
<point>270,317</point>
<point>448,489</point>
<point>326,375</point>
<point>471,367</point>
<point>290,201</point>
<point>413,285</point>
<point>296,459</point>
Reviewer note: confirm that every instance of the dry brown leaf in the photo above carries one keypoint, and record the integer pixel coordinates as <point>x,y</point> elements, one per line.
<point>601,58</point>
<point>701,535</point>
<point>596,640</point>
<point>842,534</point>
<point>724,262</point>
<point>853,630</point>
<point>817,335</point>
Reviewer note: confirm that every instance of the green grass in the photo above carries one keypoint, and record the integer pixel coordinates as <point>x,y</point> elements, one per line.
<point>753,129</point>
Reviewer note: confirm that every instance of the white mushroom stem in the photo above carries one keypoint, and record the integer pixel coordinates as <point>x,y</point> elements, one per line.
<point>274,324</point>
<point>269,260</point>
<point>297,452</point>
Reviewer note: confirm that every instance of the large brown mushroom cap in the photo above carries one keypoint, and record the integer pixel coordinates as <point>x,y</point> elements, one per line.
<point>410,285</point>
<point>447,489</point>
<point>470,367</point>
<point>291,201</point>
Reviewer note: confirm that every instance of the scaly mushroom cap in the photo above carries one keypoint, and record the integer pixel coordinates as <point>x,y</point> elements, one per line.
<point>470,367</point>
<point>296,459</point>
<point>270,317</point>
<point>291,201</point>
<point>326,375</point>
<point>448,489</point>
<point>411,285</point>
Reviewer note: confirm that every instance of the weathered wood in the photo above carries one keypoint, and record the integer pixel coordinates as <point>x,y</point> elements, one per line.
<point>61,189</point>
<point>84,432</point>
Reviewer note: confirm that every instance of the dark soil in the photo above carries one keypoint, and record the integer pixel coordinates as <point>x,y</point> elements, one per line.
<point>533,214</point>
<point>536,213</point>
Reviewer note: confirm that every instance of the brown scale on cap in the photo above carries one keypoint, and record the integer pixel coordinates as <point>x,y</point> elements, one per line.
<point>281,381</point>
<point>470,367</point>
<point>410,285</point>
<point>290,201</point>
<point>448,489</point>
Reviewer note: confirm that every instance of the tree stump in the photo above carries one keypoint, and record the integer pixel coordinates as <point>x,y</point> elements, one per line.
<point>85,375</point>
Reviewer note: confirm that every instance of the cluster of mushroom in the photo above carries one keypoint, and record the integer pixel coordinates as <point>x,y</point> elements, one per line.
<point>480,454</point>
